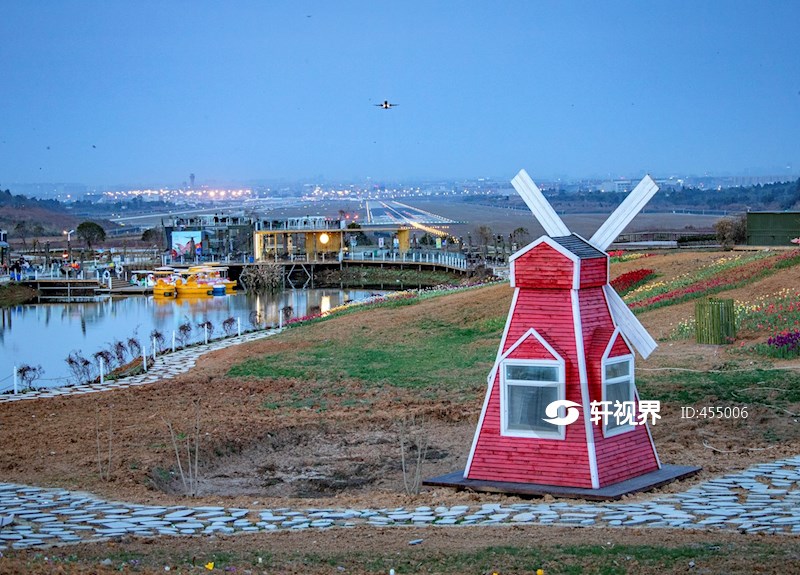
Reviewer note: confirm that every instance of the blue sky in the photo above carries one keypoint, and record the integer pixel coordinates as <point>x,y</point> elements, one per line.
<point>150,91</point>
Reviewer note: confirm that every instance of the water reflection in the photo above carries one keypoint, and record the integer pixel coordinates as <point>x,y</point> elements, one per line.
<point>45,334</point>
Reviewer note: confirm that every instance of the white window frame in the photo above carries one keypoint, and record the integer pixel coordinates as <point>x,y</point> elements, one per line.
<point>629,358</point>
<point>560,384</point>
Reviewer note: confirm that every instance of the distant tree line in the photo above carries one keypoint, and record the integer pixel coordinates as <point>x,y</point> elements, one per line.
<point>79,207</point>
<point>778,196</point>
<point>20,201</point>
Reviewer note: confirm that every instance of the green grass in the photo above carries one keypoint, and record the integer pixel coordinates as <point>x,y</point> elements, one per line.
<point>15,294</point>
<point>709,556</point>
<point>767,387</point>
<point>558,559</point>
<point>443,355</point>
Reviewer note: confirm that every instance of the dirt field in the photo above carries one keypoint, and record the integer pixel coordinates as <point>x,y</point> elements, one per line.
<point>300,455</point>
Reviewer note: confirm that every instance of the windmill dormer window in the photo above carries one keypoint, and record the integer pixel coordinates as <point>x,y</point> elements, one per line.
<point>618,390</point>
<point>528,387</point>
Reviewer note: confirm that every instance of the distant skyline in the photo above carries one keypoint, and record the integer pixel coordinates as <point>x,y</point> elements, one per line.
<point>111,92</point>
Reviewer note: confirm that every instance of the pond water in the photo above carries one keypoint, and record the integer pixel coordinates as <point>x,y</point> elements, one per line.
<point>45,334</point>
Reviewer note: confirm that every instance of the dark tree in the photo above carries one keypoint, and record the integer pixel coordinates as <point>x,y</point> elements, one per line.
<point>154,236</point>
<point>91,233</point>
<point>22,229</point>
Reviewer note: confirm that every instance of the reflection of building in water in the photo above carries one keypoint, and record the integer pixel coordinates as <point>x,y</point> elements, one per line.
<point>5,321</point>
<point>4,250</point>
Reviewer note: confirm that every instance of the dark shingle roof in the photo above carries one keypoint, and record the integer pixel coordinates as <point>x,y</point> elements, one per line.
<point>581,248</point>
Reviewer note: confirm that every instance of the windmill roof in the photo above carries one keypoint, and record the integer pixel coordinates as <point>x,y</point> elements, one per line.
<point>580,247</point>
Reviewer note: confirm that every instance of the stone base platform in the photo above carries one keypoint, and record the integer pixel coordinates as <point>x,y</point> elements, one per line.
<point>646,482</point>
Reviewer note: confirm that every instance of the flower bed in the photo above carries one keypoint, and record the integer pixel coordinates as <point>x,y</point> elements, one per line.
<point>725,274</point>
<point>718,266</point>
<point>631,280</point>
<point>783,345</point>
<point>623,256</point>
<point>773,313</point>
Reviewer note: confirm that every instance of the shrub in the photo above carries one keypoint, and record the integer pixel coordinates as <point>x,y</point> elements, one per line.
<point>184,333</point>
<point>28,374</point>
<point>257,320</point>
<point>80,367</point>
<point>731,231</point>
<point>119,350</point>
<point>107,358</point>
<point>208,326</point>
<point>158,339</point>
<point>134,347</point>
<point>229,325</point>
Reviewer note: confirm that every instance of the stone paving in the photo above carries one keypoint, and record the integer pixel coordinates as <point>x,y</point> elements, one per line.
<point>165,366</point>
<point>762,499</point>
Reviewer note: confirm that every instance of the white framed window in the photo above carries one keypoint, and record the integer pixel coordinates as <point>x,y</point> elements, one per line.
<point>618,391</point>
<point>527,388</point>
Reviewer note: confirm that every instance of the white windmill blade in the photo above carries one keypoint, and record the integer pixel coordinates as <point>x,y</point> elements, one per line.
<point>538,204</point>
<point>625,212</point>
<point>628,323</point>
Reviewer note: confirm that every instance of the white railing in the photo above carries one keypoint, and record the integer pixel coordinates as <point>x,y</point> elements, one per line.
<point>433,258</point>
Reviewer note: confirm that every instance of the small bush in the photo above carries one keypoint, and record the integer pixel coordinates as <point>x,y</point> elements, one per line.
<point>184,333</point>
<point>119,350</point>
<point>158,339</point>
<point>257,320</point>
<point>28,374</point>
<point>229,326</point>
<point>134,347</point>
<point>207,325</point>
<point>731,231</point>
<point>107,358</point>
<point>80,367</point>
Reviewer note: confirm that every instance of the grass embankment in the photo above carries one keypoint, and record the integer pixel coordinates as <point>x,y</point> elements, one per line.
<point>503,551</point>
<point>418,346</point>
<point>441,349</point>
<point>15,294</point>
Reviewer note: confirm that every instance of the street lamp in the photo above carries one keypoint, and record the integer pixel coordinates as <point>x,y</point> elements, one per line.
<point>69,237</point>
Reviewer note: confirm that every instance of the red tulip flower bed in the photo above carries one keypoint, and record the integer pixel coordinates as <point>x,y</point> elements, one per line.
<point>631,280</point>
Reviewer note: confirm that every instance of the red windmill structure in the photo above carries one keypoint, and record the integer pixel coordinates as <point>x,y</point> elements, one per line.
<point>568,346</point>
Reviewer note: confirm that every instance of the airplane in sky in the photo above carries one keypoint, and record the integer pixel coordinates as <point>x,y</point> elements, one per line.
<point>386,105</point>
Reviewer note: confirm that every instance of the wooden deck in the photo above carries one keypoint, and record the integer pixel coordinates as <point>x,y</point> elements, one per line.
<point>71,289</point>
<point>68,289</point>
<point>652,480</point>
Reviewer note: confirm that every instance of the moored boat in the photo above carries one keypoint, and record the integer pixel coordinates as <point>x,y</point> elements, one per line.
<point>199,281</point>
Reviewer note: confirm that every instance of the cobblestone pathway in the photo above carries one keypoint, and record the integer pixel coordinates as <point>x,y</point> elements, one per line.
<point>764,498</point>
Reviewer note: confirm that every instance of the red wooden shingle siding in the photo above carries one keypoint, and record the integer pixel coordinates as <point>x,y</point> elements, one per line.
<point>549,312</point>
<point>594,272</point>
<point>527,460</point>
<point>629,454</point>
<point>543,267</point>
<point>620,348</point>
